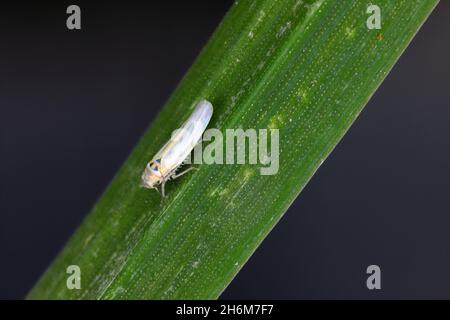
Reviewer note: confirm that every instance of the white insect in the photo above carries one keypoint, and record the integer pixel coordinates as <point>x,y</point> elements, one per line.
<point>165,163</point>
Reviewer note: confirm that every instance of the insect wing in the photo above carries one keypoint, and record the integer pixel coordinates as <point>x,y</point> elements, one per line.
<point>185,138</point>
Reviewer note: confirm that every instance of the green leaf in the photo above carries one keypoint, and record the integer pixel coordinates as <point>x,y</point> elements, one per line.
<point>304,67</point>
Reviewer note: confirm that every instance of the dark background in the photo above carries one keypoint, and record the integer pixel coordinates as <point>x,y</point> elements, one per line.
<point>74,103</point>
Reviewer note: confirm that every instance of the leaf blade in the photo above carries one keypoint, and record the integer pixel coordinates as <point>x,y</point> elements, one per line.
<point>305,67</point>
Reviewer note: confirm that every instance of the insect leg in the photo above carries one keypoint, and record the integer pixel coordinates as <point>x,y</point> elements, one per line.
<point>162,189</point>
<point>181,173</point>
<point>156,188</point>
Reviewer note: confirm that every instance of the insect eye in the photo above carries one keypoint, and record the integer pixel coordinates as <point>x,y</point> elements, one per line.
<point>154,165</point>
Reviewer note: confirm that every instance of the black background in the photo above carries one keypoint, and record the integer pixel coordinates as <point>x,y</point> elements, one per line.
<point>74,103</point>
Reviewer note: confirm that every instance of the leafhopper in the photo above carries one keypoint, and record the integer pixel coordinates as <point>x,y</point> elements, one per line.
<point>165,163</point>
